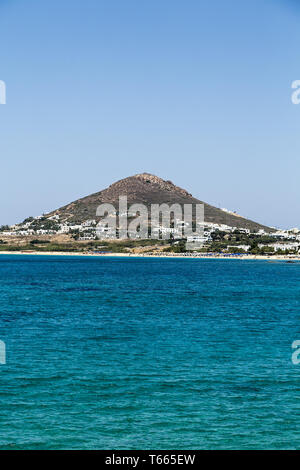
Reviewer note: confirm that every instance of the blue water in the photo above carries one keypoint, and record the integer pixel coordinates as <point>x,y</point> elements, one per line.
<point>133,353</point>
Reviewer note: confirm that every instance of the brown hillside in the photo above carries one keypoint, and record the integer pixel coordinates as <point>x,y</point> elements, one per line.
<point>147,189</point>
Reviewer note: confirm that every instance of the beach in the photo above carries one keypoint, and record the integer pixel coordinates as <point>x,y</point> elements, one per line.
<point>160,255</point>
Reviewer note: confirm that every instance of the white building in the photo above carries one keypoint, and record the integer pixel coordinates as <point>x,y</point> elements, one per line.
<point>89,223</point>
<point>239,247</point>
<point>64,229</point>
<point>281,246</point>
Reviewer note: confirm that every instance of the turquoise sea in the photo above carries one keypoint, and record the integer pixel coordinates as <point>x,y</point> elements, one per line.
<point>136,353</point>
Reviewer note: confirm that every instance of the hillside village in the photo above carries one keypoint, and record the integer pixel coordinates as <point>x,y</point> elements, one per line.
<point>216,237</point>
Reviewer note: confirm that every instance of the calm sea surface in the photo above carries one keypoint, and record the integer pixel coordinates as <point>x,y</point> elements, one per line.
<point>132,353</point>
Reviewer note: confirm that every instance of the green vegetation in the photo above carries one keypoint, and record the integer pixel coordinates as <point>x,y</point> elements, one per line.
<point>176,248</point>
<point>97,245</point>
<point>44,224</point>
<point>29,219</point>
<point>220,243</point>
<point>48,247</point>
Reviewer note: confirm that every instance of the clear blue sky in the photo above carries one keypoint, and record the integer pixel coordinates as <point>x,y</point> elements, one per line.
<point>196,91</point>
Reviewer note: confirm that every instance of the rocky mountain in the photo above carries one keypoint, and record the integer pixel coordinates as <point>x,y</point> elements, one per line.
<point>147,189</point>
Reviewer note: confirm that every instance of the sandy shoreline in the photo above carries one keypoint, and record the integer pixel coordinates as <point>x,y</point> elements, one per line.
<point>168,256</point>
